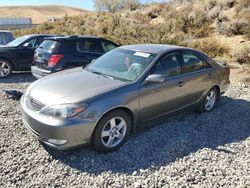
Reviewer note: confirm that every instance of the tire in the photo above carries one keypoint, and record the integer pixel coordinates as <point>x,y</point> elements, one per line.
<point>6,68</point>
<point>205,105</point>
<point>109,133</point>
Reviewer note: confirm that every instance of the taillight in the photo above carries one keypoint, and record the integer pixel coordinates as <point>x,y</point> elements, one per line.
<point>54,60</point>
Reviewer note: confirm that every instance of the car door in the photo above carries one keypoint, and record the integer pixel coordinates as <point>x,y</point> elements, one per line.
<point>26,51</point>
<point>196,76</point>
<point>157,99</point>
<point>88,49</point>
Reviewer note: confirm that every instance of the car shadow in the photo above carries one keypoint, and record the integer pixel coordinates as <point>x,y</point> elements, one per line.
<point>175,137</point>
<point>18,77</point>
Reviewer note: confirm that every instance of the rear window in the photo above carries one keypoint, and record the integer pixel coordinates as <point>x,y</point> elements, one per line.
<point>49,45</point>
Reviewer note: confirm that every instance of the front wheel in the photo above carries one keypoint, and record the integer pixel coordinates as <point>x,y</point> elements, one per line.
<point>111,132</point>
<point>209,102</point>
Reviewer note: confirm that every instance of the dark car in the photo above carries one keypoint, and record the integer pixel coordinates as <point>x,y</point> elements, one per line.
<point>126,87</point>
<point>59,53</point>
<point>6,37</point>
<point>18,54</point>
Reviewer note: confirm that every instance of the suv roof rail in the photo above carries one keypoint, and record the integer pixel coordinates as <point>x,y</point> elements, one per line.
<point>73,36</point>
<point>91,36</point>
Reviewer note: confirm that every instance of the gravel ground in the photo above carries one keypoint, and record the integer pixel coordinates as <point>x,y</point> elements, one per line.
<point>184,150</point>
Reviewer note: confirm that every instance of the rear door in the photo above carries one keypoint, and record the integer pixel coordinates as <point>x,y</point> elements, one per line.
<point>196,76</point>
<point>89,49</point>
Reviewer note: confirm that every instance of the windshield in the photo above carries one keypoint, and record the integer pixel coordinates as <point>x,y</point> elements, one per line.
<point>17,41</point>
<point>122,64</point>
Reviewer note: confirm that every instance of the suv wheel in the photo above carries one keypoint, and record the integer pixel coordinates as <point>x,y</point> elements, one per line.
<point>5,68</point>
<point>111,132</point>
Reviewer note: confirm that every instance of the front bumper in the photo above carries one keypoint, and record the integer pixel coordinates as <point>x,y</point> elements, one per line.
<point>38,72</point>
<point>75,131</point>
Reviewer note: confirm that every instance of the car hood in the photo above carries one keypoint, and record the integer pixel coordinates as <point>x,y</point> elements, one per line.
<point>71,86</point>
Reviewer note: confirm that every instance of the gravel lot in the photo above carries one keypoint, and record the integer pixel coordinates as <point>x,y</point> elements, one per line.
<point>184,150</point>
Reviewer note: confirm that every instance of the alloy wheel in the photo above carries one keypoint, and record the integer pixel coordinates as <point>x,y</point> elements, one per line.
<point>210,100</point>
<point>113,132</point>
<point>4,69</point>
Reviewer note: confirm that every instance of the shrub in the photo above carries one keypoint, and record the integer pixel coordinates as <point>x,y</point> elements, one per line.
<point>242,54</point>
<point>116,5</point>
<point>245,15</point>
<point>214,12</point>
<point>230,28</point>
<point>210,46</point>
<point>242,5</point>
<point>226,4</point>
<point>193,22</point>
<point>208,4</point>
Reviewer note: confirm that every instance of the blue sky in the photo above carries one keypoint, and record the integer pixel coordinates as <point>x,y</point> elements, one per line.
<point>85,4</point>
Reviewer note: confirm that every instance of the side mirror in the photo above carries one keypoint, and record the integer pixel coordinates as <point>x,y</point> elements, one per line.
<point>155,78</point>
<point>27,45</point>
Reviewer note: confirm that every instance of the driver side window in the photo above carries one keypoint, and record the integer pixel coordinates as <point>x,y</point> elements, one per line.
<point>168,66</point>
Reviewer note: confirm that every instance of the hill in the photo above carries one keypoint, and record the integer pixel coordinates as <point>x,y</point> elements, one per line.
<point>40,14</point>
<point>219,28</point>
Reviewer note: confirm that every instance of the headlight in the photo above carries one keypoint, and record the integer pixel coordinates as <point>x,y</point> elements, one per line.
<point>63,110</point>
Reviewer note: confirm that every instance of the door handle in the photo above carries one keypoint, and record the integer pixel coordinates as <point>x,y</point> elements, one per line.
<point>181,83</point>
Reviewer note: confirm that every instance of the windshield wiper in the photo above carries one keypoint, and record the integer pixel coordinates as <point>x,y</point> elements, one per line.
<point>99,73</point>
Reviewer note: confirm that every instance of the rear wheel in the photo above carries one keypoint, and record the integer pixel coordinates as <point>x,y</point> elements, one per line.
<point>210,101</point>
<point>112,131</point>
<point>5,68</point>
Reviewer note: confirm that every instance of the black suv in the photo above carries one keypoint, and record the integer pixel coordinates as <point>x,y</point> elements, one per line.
<point>58,53</point>
<point>18,54</point>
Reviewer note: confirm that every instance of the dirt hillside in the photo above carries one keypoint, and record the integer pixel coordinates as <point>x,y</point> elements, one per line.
<point>40,14</point>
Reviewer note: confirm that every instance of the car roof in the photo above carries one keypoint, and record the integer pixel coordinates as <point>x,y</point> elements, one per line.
<point>73,37</point>
<point>153,48</point>
<point>39,35</point>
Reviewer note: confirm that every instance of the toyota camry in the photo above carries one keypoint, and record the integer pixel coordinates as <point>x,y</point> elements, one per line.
<point>102,104</point>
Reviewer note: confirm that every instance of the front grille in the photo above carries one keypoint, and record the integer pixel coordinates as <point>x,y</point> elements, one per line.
<point>34,104</point>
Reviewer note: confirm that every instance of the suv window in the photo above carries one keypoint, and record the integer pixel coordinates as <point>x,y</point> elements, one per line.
<point>32,42</point>
<point>89,46</point>
<point>191,62</point>
<point>168,66</point>
<point>107,46</point>
<point>38,42</point>
<point>49,45</point>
